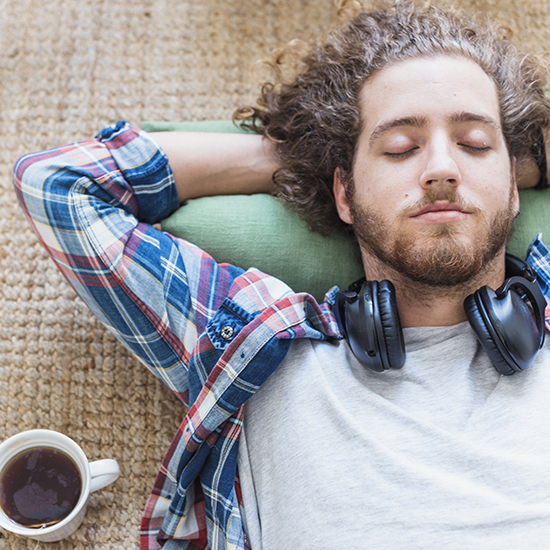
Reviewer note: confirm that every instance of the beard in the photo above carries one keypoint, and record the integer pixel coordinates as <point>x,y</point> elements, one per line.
<point>438,255</point>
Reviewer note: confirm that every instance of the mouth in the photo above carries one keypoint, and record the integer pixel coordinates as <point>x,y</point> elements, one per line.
<point>441,212</point>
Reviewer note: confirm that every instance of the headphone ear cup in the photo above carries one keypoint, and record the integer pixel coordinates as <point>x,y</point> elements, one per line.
<point>477,316</point>
<point>371,325</point>
<point>392,345</point>
<point>505,326</point>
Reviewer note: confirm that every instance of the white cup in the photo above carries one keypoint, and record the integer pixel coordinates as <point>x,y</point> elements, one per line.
<point>93,475</point>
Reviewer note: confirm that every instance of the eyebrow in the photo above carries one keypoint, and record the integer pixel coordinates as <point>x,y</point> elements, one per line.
<point>466,116</point>
<point>418,122</point>
<point>387,125</point>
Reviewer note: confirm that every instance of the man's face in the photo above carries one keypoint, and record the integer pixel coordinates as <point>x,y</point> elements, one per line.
<point>434,192</point>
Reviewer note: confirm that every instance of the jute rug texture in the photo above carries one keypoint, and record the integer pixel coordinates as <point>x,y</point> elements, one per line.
<point>68,67</point>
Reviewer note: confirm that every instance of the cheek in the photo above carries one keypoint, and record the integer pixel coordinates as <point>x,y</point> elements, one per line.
<point>389,186</point>
<point>490,197</point>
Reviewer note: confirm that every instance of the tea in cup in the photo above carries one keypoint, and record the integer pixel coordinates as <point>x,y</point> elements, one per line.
<point>45,483</point>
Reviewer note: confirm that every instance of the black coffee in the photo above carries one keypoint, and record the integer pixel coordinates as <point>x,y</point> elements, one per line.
<point>39,486</point>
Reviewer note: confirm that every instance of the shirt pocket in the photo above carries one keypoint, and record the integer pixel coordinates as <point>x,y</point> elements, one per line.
<point>228,321</point>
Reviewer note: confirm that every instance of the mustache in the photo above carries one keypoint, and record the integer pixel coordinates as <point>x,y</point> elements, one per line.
<point>449,194</point>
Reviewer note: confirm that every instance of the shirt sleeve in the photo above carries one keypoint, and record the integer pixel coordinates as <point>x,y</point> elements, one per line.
<point>92,205</point>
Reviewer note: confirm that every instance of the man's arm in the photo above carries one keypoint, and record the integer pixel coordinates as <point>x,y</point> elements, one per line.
<point>208,163</point>
<point>92,204</point>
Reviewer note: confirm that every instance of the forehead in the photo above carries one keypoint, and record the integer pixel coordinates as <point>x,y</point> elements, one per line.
<point>430,87</point>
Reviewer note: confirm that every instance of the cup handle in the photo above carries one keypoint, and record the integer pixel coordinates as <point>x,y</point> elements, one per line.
<point>103,472</point>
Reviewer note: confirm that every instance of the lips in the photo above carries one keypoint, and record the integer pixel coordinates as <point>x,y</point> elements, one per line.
<point>440,207</point>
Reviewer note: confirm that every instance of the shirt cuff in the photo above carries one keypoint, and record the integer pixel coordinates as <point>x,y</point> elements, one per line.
<point>145,167</point>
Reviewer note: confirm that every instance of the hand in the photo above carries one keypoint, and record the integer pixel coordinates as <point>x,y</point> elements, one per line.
<point>527,170</point>
<point>527,173</point>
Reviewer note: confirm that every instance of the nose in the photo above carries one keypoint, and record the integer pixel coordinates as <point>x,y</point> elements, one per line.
<point>441,167</point>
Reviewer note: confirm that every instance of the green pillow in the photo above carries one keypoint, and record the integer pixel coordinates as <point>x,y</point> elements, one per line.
<point>259,231</point>
<point>534,219</point>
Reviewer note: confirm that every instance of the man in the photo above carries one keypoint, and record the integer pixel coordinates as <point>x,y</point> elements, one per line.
<point>444,451</point>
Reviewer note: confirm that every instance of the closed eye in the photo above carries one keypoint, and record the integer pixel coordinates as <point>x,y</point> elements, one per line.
<point>401,154</point>
<point>478,150</point>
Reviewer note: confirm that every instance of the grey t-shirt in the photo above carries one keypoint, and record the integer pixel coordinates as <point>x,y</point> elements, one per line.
<point>444,453</point>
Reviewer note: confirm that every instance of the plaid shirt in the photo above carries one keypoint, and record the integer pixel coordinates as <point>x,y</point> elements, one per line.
<point>213,333</point>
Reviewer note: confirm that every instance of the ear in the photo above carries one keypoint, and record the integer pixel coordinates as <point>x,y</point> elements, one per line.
<point>515,185</point>
<point>339,190</point>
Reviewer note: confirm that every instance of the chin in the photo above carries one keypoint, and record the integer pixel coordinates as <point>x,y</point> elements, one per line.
<point>446,263</point>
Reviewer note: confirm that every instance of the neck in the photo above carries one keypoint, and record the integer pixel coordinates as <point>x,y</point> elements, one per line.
<point>422,305</point>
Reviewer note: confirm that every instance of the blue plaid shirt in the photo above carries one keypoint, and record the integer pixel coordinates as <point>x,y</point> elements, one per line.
<point>212,333</point>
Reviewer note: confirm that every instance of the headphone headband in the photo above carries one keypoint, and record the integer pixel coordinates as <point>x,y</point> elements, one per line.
<point>508,322</point>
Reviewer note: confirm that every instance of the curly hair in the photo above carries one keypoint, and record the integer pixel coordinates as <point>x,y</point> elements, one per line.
<point>314,119</point>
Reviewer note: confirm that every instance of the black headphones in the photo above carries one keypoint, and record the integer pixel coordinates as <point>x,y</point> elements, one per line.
<point>508,322</point>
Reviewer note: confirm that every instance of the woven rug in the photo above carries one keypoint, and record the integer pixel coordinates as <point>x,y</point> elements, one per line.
<point>66,69</point>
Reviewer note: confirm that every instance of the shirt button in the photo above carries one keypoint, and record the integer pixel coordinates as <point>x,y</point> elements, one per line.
<point>227,332</point>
